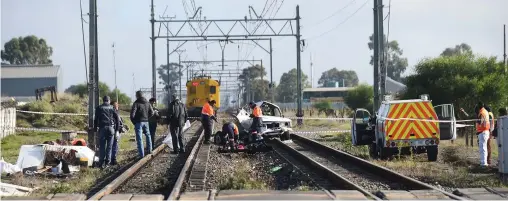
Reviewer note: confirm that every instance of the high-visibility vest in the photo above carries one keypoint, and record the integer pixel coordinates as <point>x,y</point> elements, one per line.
<point>257,112</point>
<point>207,110</point>
<point>483,124</point>
<point>235,129</point>
<point>492,122</point>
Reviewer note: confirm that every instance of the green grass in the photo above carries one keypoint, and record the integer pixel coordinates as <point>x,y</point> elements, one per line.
<point>241,179</point>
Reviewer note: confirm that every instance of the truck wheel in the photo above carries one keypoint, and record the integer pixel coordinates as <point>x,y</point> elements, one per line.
<point>432,153</point>
<point>373,151</point>
<point>384,153</point>
<point>285,136</point>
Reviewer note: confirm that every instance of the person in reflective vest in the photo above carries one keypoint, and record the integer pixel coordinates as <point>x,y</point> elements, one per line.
<point>230,130</point>
<point>483,132</point>
<point>207,115</point>
<point>492,126</point>
<point>256,117</point>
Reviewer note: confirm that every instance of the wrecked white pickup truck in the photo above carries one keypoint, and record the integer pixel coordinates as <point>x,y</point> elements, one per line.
<point>273,122</point>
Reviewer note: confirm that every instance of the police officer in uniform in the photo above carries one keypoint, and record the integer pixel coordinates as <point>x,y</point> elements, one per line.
<point>107,122</point>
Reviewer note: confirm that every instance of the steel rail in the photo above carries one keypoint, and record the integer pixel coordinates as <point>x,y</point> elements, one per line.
<point>131,171</point>
<point>337,179</point>
<point>371,167</point>
<point>186,170</point>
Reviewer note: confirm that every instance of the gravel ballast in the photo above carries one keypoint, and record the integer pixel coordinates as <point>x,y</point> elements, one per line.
<point>235,171</point>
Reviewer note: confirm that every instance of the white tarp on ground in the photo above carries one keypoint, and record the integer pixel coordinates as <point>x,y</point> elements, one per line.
<point>34,155</point>
<point>13,190</point>
<point>8,168</point>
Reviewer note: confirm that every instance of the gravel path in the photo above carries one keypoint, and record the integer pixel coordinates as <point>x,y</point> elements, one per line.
<point>351,172</point>
<point>223,166</point>
<point>160,174</point>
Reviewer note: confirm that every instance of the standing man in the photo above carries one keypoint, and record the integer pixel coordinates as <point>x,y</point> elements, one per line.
<point>121,129</point>
<point>152,121</point>
<point>107,121</point>
<point>140,113</point>
<point>483,132</point>
<point>256,117</point>
<point>177,117</point>
<point>207,115</point>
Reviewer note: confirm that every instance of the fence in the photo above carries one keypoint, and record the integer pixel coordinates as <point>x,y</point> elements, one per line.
<point>308,105</point>
<point>7,122</point>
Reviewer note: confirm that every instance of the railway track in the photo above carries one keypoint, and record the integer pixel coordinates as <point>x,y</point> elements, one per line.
<point>154,174</point>
<point>334,169</point>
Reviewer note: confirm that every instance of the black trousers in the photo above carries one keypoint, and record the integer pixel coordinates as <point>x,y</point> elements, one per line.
<point>177,138</point>
<point>153,128</point>
<point>207,127</point>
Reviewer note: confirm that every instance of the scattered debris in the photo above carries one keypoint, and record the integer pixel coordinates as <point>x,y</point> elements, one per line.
<point>14,190</point>
<point>8,168</point>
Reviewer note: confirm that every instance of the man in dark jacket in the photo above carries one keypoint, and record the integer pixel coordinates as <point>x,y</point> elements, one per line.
<point>177,117</point>
<point>152,121</point>
<point>140,113</point>
<point>121,129</point>
<point>107,121</point>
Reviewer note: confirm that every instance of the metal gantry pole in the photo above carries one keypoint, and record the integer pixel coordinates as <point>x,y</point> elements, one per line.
<point>97,91</point>
<point>375,40</point>
<point>298,68</point>
<point>114,68</point>
<point>504,47</point>
<point>92,82</point>
<point>382,49</point>
<point>154,78</point>
<point>272,93</point>
<point>180,76</point>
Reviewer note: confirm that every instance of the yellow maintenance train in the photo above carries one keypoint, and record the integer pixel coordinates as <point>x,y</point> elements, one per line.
<point>201,89</point>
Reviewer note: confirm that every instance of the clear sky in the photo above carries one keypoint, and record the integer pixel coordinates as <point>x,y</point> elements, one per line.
<point>423,28</point>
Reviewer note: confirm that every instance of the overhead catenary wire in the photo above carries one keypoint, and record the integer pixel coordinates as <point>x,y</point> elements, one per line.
<point>266,28</point>
<point>256,27</point>
<point>84,44</point>
<point>334,13</point>
<point>341,23</point>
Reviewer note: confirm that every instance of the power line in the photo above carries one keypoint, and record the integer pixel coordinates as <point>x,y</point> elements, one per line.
<point>388,29</point>
<point>341,23</point>
<point>335,13</point>
<point>266,27</point>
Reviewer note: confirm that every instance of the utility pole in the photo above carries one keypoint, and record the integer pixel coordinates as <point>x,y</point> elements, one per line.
<point>167,59</point>
<point>375,38</point>
<point>382,50</point>
<point>97,92</point>
<point>222,48</point>
<point>311,72</point>
<point>92,84</point>
<point>154,78</point>
<point>504,47</point>
<point>179,52</point>
<point>298,68</point>
<point>114,68</point>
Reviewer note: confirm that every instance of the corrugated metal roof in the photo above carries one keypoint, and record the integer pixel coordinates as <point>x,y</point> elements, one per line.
<point>326,89</point>
<point>30,71</point>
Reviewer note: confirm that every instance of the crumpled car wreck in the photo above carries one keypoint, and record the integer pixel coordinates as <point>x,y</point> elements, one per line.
<point>273,122</point>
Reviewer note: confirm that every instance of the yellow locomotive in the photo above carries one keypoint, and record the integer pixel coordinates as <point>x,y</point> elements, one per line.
<point>200,90</point>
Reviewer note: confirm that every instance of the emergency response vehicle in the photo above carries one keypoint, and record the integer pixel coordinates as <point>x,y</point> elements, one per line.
<point>398,126</point>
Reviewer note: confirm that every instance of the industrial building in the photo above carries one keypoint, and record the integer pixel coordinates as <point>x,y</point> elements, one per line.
<point>21,81</point>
